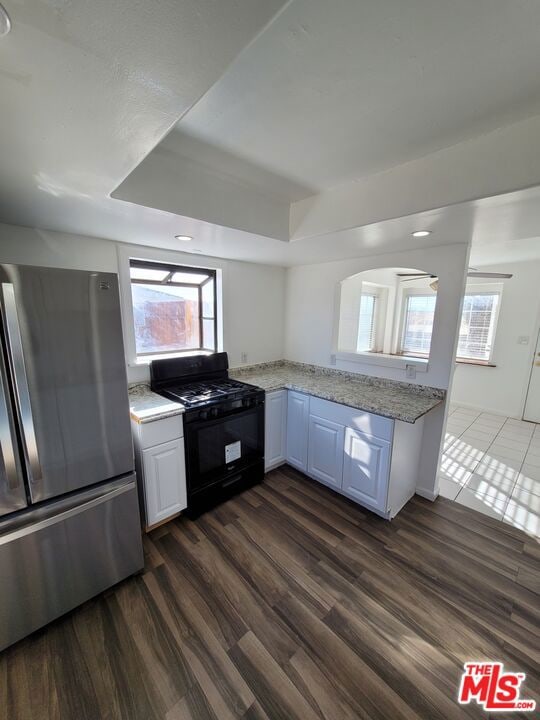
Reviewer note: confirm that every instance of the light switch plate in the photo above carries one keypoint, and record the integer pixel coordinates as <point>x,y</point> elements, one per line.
<point>523,340</point>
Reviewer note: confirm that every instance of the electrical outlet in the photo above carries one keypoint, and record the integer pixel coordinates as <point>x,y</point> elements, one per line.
<point>410,371</point>
<point>333,360</point>
<point>523,340</point>
<point>243,357</point>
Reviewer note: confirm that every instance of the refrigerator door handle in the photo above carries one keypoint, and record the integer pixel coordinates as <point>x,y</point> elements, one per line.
<point>7,444</point>
<point>24,407</point>
<point>65,509</point>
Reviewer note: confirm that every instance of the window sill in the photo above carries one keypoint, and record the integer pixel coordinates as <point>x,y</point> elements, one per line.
<point>479,363</point>
<point>384,359</point>
<point>147,359</point>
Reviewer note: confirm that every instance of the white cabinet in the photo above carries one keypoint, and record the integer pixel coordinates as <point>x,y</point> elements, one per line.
<point>366,469</point>
<point>371,459</point>
<point>297,429</point>
<point>275,429</point>
<point>161,468</point>
<point>325,451</point>
<point>164,481</point>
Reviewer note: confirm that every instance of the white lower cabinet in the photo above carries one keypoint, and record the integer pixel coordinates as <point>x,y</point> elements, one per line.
<point>275,429</point>
<point>366,469</point>
<point>297,429</point>
<point>164,480</point>
<point>371,459</point>
<point>161,468</point>
<point>325,451</point>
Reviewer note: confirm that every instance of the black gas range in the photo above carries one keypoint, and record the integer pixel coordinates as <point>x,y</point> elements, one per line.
<point>223,426</point>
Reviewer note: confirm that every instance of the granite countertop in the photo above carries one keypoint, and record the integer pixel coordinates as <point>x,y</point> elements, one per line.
<point>147,406</point>
<point>389,398</point>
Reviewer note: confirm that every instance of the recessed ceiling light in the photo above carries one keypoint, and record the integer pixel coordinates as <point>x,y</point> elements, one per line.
<point>421,233</point>
<point>183,238</point>
<point>5,22</point>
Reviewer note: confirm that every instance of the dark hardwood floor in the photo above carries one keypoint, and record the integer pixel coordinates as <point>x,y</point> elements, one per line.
<point>290,603</point>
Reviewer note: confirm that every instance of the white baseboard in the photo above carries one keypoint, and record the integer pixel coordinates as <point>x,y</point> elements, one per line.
<point>275,465</point>
<point>484,408</point>
<point>428,494</point>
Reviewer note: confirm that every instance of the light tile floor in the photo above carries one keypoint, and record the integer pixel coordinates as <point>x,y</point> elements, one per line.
<point>491,463</point>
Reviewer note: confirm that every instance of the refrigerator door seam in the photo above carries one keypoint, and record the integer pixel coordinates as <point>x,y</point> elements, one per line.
<point>63,515</point>
<point>15,350</point>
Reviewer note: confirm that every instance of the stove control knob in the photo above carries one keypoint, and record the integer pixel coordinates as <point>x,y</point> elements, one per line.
<point>214,412</point>
<point>246,402</point>
<point>203,414</point>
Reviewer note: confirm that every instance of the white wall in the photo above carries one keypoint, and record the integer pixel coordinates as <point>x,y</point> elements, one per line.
<point>313,310</point>
<point>255,298</point>
<point>502,389</point>
<point>349,308</point>
<point>253,295</point>
<point>312,321</point>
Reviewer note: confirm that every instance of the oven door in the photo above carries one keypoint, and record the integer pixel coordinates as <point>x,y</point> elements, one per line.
<point>226,445</point>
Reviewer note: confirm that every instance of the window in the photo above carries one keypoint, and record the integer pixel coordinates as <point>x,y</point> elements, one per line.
<point>477,329</point>
<point>366,322</point>
<point>174,308</point>
<point>476,332</point>
<point>418,324</point>
<point>386,317</point>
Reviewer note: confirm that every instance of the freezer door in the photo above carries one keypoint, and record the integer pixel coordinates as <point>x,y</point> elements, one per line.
<point>59,555</point>
<point>66,360</point>
<point>12,490</point>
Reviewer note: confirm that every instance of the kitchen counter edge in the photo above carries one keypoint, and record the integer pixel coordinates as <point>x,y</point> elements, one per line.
<point>146,406</point>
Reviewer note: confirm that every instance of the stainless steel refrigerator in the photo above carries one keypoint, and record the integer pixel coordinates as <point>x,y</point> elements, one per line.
<point>69,517</point>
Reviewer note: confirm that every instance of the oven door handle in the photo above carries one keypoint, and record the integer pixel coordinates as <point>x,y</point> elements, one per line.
<point>208,422</point>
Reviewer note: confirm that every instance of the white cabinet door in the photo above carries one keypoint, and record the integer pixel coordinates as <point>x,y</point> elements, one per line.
<point>275,429</point>
<point>366,469</point>
<point>164,480</point>
<point>297,429</point>
<point>325,451</point>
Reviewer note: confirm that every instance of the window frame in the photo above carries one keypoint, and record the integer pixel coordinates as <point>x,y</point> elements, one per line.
<point>475,290</point>
<point>173,268</point>
<point>374,316</point>
<point>494,321</point>
<point>406,295</point>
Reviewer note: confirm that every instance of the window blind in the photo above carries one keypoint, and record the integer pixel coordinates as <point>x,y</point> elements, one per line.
<point>477,325</point>
<point>366,322</point>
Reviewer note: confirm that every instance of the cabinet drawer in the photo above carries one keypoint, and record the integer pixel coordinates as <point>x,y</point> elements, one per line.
<point>360,420</point>
<point>160,431</point>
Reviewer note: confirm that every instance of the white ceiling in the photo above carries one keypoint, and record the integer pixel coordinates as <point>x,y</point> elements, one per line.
<point>505,253</point>
<point>334,91</point>
<point>89,88</point>
<point>188,149</point>
<point>287,98</point>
